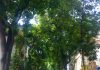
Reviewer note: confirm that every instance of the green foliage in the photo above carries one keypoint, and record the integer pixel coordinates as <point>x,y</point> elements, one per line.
<point>61,33</point>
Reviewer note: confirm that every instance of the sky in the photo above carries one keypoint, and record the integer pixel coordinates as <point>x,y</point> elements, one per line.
<point>98,8</point>
<point>34,20</point>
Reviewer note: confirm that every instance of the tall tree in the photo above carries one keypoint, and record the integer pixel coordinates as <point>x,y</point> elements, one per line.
<point>54,41</point>
<point>10,13</point>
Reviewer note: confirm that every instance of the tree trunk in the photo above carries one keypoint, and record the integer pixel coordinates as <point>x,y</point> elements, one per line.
<point>2,46</point>
<point>83,62</point>
<point>9,45</point>
<point>65,67</point>
<point>5,47</point>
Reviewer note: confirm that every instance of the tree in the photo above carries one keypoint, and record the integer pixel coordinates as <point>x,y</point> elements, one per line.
<point>10,13</point>
<point>53,42</point>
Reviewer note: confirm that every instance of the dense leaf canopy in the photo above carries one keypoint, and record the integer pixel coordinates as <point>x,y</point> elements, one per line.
<point>63,29</point>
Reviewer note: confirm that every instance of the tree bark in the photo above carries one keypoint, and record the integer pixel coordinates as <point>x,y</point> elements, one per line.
<point>65,66</point>
<point>5,46</point>
<point>2,45</point>
<point>83,62</point>
<point>9,45</point>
